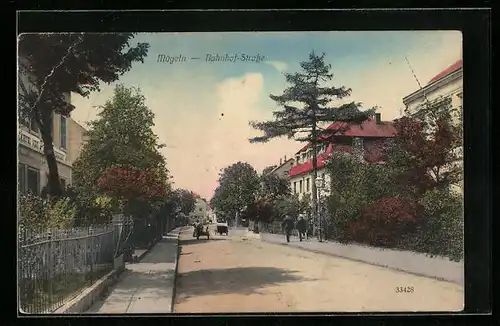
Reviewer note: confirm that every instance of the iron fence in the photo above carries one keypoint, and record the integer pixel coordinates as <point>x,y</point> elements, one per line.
<point>55,266</point>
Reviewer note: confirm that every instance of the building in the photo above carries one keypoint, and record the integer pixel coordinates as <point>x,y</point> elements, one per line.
<point>364,140</point>
<point>77,137</point>
<point>449,82</point>
<point>33,169</point>
<point>201,210</point>
<point>283,169</point>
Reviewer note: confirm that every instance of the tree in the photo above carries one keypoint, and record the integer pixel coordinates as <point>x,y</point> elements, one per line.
<point>427,152</point>
<point>238,187</point>
<point>306,107</point>
<point>53,65</point>
<point>268,169</point>
<point>274,186</point>
<point>181,200</point>
<point>122,137</point>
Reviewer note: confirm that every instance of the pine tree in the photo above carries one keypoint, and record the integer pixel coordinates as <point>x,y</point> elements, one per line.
<point>306,105</point>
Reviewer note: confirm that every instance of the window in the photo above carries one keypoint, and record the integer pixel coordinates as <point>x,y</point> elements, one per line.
<point>307,184</point>
<point>63,132</point>
<point>295,187</point>
<point>22,178</point>
<point>300,186</point>
<point>33,184</point>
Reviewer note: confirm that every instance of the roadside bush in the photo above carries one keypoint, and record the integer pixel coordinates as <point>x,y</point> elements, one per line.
<point>384,222</point>
<point>440,231</point>
<point>354,185</point>
<point>37,214</point>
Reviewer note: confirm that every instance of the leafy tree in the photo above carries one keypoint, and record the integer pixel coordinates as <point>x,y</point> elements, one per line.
<point>274,186</point>
<point>52,65</point>
<point>122,137</point>
<point>307,106</point>
<point>268,169</point>
<point>238,187</point>
<point>427,151</point>
<point>182,201</point>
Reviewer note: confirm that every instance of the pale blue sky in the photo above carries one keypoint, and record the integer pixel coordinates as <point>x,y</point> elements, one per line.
<point>188,98</point>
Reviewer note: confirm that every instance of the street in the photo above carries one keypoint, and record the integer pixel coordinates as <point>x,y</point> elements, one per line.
<point>237,274</point>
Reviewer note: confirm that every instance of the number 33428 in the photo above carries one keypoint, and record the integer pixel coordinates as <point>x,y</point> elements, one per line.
<point>404,289</point>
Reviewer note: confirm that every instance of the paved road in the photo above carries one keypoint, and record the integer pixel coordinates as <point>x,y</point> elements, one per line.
<point>236,274</point>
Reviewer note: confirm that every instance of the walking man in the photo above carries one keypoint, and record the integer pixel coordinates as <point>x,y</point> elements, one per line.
<point>288,225</point>
<point>301,227</point>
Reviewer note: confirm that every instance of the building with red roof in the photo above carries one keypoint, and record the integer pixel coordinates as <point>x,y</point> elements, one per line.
<point>365,139</point>
<point>448,82</point>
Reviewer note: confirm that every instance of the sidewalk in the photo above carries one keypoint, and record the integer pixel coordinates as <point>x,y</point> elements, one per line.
<point>415,263</point>
<point>147,286</point>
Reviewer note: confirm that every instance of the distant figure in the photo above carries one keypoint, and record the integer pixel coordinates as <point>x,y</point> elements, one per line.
<point>302,227</point>
<point>288,225</point>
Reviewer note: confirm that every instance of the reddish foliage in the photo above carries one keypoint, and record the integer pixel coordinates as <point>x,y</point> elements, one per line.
<point>131,183</point>
<point>384,222</point>
<point>428,150</point>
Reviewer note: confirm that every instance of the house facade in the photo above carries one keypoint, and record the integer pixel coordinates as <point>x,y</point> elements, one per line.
<point>283,169</point>
<point>32,165</point>
<point>77,137</point>
<point>68,137</point>
<point>448,82</point>
<point>364,141</point>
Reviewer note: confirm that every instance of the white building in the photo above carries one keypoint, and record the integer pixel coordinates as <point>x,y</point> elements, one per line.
<point>364,139</point>
<point>67,141</point>
<point>448,82</point>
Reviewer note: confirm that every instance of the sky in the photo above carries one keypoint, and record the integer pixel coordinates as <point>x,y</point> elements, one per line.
<point>202,109</point>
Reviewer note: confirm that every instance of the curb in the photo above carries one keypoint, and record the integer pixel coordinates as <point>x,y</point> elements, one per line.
<point>83,301</point>
<point>368,262</point>
<point>177,255</point>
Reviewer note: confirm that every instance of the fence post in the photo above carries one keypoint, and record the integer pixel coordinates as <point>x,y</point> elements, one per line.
<point>50,263</point>
<point>91,238</point>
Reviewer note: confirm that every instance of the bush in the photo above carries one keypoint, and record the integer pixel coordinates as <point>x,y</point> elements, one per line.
<point>385,222</point>
<point>37,214</point>
<point>440,231</point>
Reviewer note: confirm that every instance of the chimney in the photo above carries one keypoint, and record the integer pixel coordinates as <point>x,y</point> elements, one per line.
<point>285,158</point>
<point>281,161</point>
<point>377,118</point>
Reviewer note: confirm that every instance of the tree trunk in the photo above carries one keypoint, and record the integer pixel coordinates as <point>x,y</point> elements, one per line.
<point>54,183</point>
<point>314,197</point>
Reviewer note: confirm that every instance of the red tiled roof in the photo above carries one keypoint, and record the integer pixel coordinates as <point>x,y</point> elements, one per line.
<point>369,128</point>
<point>454,67</point>
<point>322,158</point>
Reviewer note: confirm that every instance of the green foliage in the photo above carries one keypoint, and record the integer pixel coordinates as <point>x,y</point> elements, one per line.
<point>180,200</point>
<point>37,214</point>
<point>239,184</point>
<point>354,185</point>
<point>121,136</point>
<point>274,186</point>
<point>55,64</point>
<point>306,105</point>
<point>441,228</point>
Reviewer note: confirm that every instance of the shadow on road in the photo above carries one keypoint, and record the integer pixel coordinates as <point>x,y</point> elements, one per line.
<point>238,280</point>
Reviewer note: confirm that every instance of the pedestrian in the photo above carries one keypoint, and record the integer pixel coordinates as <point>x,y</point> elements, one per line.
<point>301,227</point>
<point>288,226</point>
